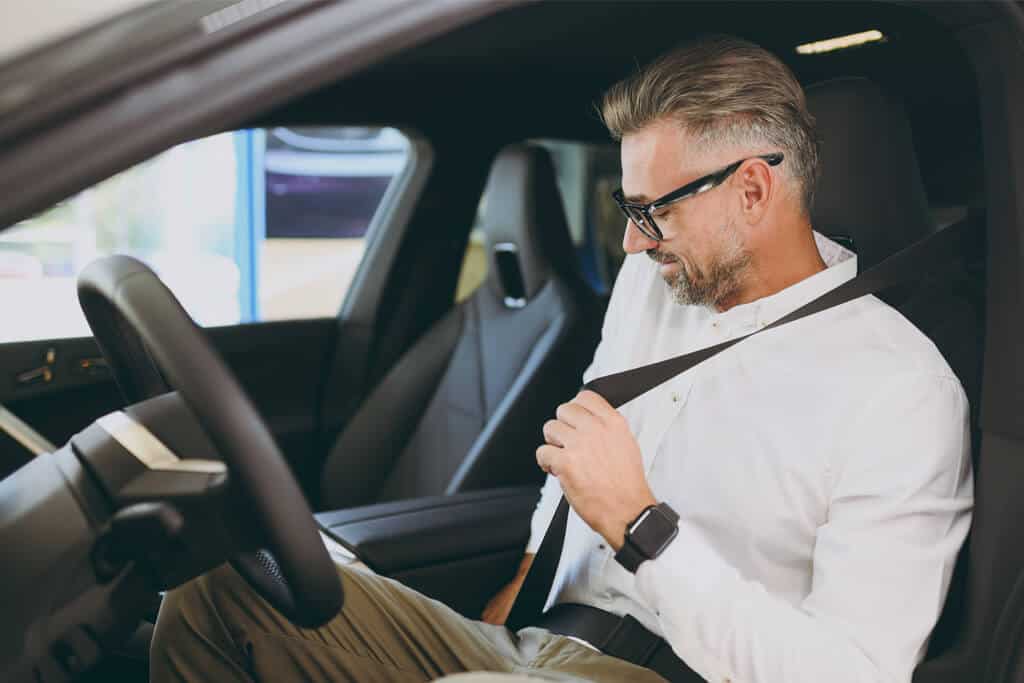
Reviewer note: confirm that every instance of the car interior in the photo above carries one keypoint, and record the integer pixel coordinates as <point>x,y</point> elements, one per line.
<point>407,423</point>
<point>457,401</point>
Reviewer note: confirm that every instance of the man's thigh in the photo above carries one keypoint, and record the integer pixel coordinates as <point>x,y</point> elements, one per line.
<point>545,656</point>
<point>218,626</point>
<point>609,674</point>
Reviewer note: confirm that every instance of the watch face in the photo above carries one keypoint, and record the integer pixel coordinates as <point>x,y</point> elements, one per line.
<point>653,531</point>
<point>640,520</point>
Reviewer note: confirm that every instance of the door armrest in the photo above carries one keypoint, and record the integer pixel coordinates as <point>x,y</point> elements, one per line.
<point>396,536</point>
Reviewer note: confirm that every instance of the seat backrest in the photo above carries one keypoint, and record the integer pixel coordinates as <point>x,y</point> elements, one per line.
<point>462,408</point>
<point>870,187</point>
<point>871,191</point>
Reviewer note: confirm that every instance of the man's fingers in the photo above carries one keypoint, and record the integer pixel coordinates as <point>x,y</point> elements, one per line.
<point>550,459</point>
<point>574,415</point>
<point>557,433</point>
<point>595,404</point>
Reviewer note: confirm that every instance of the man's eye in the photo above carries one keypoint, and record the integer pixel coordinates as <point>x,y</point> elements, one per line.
<point>662,212</point>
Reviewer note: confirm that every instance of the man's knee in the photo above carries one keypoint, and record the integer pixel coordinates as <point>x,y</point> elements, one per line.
<point>490,677</point>
<point>197,620</point>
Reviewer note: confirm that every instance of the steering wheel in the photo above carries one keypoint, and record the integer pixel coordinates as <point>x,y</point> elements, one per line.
<point>146,335</point>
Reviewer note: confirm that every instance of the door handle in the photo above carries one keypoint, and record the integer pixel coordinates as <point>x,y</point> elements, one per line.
<point>41,375</point>
<point>38,375</point>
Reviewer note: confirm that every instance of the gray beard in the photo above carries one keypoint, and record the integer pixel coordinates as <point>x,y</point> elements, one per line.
<point>709,289</point>
<point>723,279</point>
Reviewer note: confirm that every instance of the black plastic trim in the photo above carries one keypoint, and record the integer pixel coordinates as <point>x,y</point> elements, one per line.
<point>405,535</point>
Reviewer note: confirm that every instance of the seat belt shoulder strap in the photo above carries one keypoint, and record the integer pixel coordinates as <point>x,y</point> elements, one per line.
<point>912,263</point>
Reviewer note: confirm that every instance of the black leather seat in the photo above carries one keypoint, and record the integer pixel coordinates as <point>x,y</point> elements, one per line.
<point>870,187</point>
<point>462,408</point>
<point>871,191</point>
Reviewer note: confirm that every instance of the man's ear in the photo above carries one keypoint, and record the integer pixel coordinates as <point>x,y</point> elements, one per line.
<point>758,188</point>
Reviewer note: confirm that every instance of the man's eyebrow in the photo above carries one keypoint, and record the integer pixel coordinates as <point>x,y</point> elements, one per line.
<point>636,198</point>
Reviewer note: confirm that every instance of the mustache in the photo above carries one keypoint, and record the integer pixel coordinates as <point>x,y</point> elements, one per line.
<point>661,257</point>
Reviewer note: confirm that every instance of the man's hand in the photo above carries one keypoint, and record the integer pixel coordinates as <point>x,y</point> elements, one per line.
<point>497,609</point>
<point>596,459</point>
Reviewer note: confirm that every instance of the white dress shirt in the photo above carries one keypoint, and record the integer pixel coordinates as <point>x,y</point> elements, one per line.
<point>822,475</point>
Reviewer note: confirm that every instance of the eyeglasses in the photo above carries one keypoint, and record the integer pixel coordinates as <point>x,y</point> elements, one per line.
<point>640,214</point>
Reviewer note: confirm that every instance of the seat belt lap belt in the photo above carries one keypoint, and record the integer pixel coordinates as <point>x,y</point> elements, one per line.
<point>912,263</point>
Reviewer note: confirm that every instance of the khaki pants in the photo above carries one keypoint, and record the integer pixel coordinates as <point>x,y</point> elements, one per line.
<point>216,628</point>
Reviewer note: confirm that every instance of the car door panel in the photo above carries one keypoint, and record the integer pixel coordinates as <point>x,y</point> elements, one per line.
<point>280,365</point>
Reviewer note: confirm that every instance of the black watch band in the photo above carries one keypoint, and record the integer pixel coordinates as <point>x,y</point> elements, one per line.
<point>629,557</point>
<point>648,535</point>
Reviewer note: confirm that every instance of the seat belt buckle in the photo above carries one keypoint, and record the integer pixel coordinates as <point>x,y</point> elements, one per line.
<point>631,641</point>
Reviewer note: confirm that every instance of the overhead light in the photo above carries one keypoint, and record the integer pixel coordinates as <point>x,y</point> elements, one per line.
<point>840,42</point>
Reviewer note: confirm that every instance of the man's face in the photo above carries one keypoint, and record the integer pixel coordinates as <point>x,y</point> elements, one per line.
<point>703,256</point>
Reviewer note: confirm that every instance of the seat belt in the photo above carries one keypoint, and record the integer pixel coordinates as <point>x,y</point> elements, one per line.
<point>910,264</point>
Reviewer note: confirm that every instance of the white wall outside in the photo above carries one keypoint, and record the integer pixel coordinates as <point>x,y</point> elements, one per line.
<point>25,24</point>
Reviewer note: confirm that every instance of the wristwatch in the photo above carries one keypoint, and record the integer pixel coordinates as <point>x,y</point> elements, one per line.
<point>648,535</point>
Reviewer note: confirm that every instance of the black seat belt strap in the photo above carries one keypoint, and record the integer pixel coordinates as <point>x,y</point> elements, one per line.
<point>910,264</point>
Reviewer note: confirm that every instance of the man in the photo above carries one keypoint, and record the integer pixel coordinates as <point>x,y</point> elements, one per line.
<point>820,471</point>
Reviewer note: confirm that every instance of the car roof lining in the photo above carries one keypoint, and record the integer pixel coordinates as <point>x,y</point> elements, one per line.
<point>485,80</point>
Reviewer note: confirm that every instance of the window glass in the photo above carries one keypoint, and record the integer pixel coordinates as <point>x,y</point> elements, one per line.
<point>243,226</point>
<point>586,175</point>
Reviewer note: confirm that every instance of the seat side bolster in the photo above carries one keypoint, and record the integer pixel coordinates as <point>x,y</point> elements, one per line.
<point>365,451</point>
<point>514,427</point>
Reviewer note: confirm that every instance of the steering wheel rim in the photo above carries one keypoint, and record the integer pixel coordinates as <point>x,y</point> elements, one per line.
<point>143,331</point>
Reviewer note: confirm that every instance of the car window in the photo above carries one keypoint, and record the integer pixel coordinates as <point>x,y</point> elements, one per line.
<point>587,174</point>
<point>245,226</point>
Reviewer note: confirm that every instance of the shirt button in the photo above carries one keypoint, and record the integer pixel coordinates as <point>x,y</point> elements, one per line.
<point>601,546</point>
<point>675,397</point>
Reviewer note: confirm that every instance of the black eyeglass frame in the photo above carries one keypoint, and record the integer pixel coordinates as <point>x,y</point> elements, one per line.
<point>639,214</point>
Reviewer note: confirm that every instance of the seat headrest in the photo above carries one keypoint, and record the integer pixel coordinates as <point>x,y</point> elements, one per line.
<point>524,224</point>
<point>870,186</point>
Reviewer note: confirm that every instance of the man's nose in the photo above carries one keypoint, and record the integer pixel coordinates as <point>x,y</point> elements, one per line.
<point>634,241</point>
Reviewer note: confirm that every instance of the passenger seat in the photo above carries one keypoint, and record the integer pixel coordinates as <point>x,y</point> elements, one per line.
<point>463,408</point>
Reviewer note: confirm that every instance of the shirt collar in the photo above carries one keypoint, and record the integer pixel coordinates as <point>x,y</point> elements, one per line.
<point>841,265</point>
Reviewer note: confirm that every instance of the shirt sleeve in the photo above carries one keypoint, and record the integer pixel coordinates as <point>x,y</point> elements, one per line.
<point>900,506</point>
<point>552,490</point>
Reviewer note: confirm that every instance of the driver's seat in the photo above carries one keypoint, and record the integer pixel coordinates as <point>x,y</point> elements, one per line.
<point>461,409</point>
<point>871,191</point>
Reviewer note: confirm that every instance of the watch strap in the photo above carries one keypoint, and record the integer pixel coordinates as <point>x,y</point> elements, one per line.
<point>629,556</point>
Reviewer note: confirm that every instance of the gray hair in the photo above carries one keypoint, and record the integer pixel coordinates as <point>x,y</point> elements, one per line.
<point>722,89</point>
